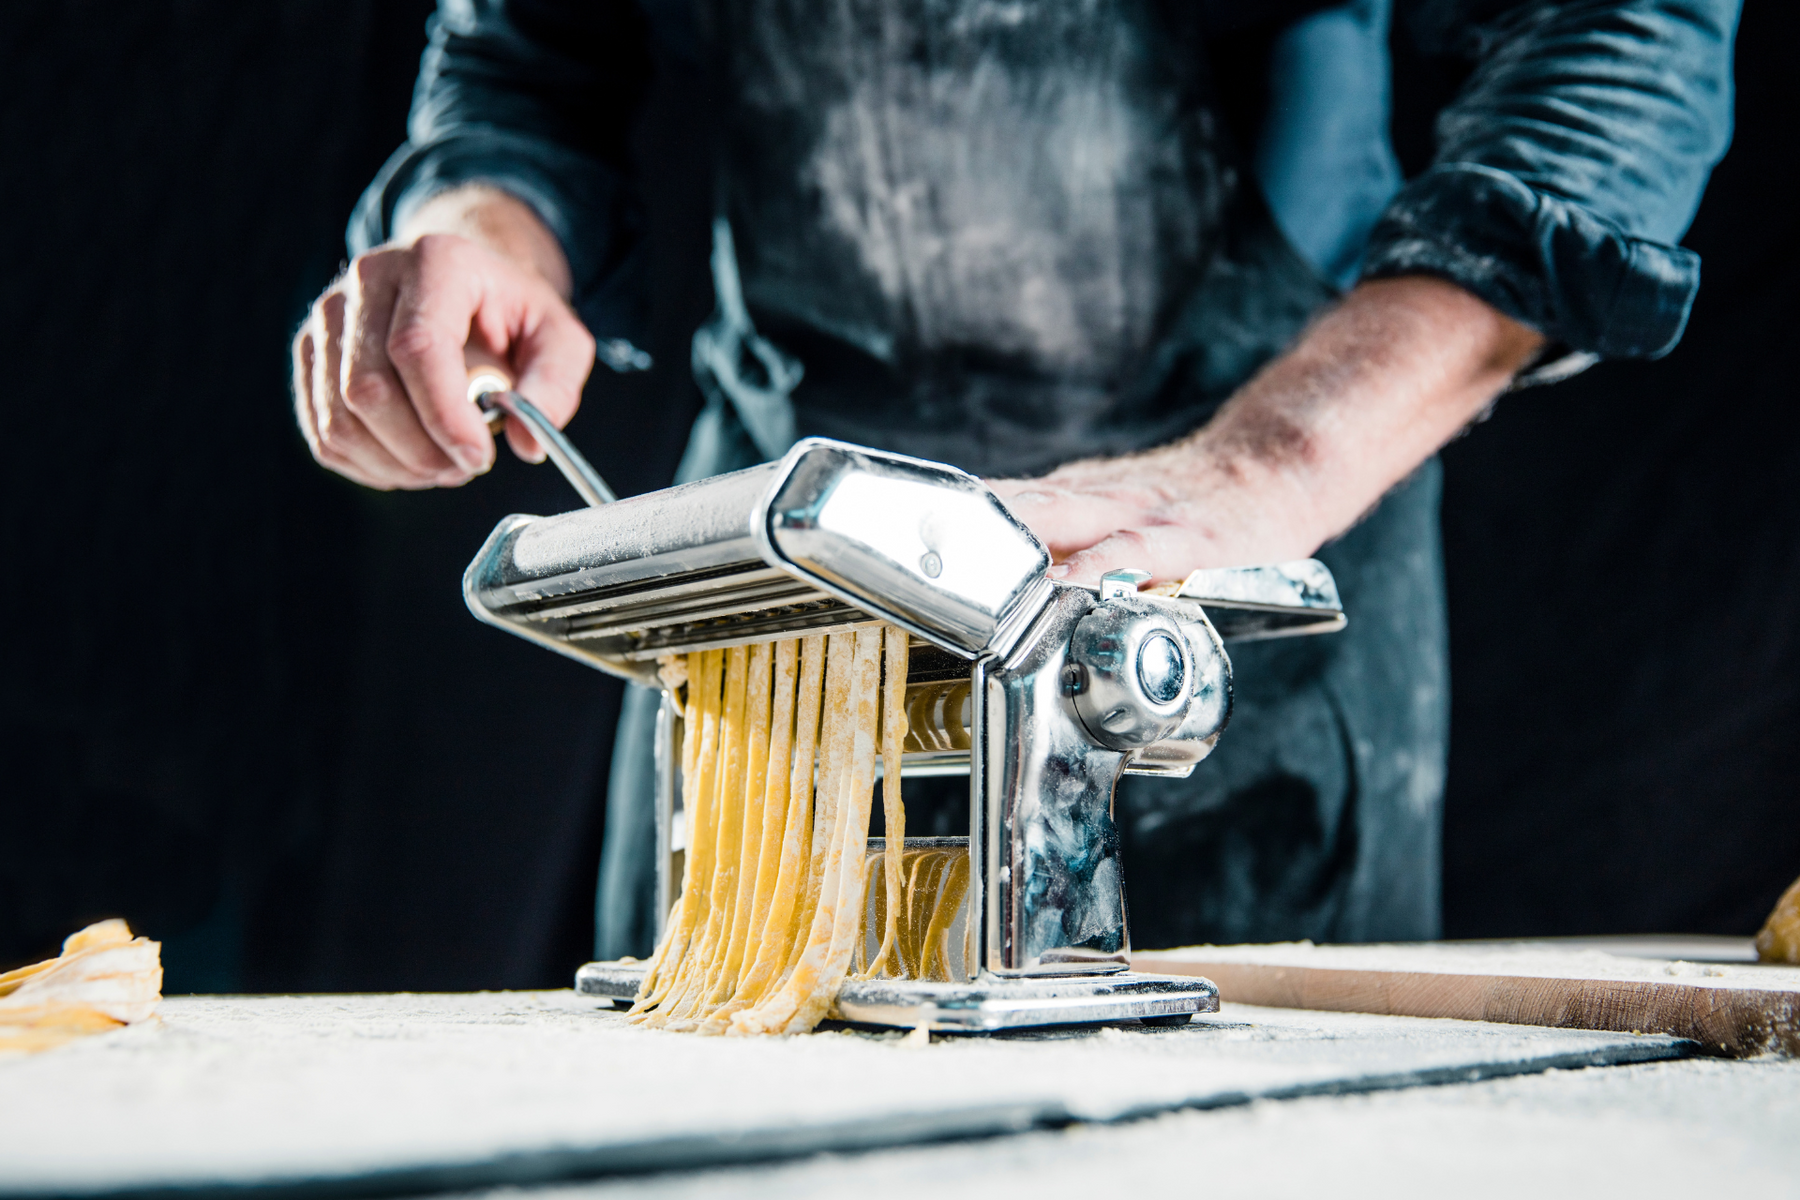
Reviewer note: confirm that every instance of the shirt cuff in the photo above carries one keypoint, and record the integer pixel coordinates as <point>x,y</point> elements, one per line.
<point>580,201</point>
<point>1544,261</point>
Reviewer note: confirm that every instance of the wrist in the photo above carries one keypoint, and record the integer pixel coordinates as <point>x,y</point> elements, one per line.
<point>498,222</point>
<point>1260,472</point>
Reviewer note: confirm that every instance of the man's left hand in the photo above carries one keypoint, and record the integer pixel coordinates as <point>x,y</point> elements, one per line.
<point>1371,390</point>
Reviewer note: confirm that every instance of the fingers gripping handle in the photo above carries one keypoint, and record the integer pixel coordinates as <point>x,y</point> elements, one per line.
<point>576,469</point>
<point>493,394</point>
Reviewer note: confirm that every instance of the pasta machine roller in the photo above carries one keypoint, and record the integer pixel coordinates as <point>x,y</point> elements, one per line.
<point>1043,692</point>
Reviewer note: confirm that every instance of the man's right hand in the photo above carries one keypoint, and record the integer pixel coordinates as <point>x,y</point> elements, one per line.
<point>381,383</point>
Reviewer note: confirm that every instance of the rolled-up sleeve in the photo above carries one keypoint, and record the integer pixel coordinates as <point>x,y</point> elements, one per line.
<point>1570,165</point>
<point>533,97</point>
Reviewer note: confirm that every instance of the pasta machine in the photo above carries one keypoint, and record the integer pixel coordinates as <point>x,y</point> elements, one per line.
<point>1043,692</point>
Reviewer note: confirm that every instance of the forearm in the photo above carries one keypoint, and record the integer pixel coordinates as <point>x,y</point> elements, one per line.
<point>1371,390</point>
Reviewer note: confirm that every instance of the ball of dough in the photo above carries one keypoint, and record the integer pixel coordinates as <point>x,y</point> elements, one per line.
<point>1779,940</point>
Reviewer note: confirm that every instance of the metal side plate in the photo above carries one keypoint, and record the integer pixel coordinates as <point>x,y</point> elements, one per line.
<point>918,543</point>
<point>990,1004</point>
<point>1248,604</point>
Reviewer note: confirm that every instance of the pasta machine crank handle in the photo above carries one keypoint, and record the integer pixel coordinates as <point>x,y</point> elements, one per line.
<point>493,394</point>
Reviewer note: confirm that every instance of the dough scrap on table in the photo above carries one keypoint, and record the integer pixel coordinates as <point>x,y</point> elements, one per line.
<point>1779,939</point>
<point>104,979</point>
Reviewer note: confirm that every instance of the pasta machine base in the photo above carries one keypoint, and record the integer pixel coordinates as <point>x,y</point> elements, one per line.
<point>990,1004</point>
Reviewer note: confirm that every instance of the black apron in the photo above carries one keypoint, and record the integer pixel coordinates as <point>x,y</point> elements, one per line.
<point>1007,235</point>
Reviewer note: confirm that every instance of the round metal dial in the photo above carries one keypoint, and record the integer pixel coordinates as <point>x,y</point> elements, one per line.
<point>1134,673</point>
<point>1161,668</point>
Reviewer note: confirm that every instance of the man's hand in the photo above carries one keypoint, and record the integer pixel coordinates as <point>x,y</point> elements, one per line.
<point>381,365</point>
<point>1371,390</point>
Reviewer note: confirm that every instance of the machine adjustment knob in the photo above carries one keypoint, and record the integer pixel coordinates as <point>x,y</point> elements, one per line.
<point>1161,668</point>
<point>1130,674</point>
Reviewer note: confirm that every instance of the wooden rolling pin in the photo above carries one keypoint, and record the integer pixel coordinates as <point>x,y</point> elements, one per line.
<point>1711,990</point>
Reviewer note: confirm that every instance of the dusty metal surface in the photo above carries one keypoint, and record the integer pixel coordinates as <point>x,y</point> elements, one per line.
<point>1055,690</point>
<point>986,1004</point>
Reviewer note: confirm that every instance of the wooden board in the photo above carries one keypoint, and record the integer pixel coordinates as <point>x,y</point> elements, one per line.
<point>1708,989</point>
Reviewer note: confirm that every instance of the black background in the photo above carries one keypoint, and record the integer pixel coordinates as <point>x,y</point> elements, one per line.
<point>242,705</point>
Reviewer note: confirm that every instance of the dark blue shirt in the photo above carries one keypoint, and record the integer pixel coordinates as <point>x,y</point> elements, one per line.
<point>1567,165</point>
<point>1130,233</point>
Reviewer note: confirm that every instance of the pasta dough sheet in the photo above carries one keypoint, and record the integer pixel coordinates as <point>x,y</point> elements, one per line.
<point>104,978</point>
<point>1779,939</point>
<point>778,778</point>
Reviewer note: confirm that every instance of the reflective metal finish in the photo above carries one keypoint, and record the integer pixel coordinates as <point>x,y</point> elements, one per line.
<point>829,538</point>
<point>990,1004</point>
<point>1053,746</point>
<point>1161,669</point>
<point>1045,693</point>
<point>1056,892</point>
<point>925,546</point>
<point>987,1004</point>
<point>501,401</point>
<point>1123,582</point>
<point>1118,652</point>
<point>1277,600</point>
<point>1209,703</point>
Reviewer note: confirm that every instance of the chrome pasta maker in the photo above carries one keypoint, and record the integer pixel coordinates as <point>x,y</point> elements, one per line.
<point>1042,692</point>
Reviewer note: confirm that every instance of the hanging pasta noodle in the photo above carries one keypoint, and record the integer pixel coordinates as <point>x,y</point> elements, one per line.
<point>893,743</point>
<point>778,770</point>
<point>934,888</point>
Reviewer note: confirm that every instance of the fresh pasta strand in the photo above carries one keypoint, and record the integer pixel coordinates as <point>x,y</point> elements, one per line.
<point>699,745</point>
<point>935,886</point>
<point>802,1001</point>
<point>929,877</point>
<point>893,742</point>
<point>700,798</point>
<point>792,878</point>
<point>778,779</point>
<point>951,894</point>
<point>778,762</point>
<point>726,805</point>
<point>811,950</point>
<point>764,916</point>
<point>834,717</point>
<point>755,780</point>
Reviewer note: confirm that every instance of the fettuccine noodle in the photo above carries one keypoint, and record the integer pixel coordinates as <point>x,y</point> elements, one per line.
<point>934,887</point>
<point>778,772</point>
